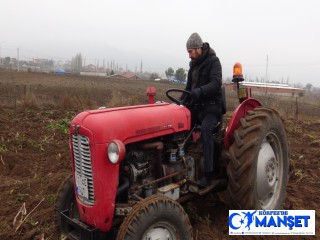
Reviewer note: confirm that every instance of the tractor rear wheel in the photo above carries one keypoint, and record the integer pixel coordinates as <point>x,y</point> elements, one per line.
<point>156,217</point>
<point>258,170</point>
<point>66,200</point>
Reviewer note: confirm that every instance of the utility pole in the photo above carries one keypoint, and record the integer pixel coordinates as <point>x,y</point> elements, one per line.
<point>141,67</point>
<point>18,60</point>
<point>0,53</point>
<point>267,80</point>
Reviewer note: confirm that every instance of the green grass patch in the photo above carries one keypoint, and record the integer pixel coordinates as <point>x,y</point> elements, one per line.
<point>3,149</point>
<point>61,124</point>
<point>51,199</point>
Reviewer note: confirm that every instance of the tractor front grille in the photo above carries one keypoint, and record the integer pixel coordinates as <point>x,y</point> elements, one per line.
<point>82,164</point>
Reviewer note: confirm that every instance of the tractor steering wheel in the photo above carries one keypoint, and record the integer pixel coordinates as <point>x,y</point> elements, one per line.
<point>179,102</point>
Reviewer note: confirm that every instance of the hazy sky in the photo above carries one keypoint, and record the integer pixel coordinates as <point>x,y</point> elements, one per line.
<point>128,31</point>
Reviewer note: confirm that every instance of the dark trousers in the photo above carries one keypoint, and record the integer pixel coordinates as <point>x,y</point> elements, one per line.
<point>209,121</point>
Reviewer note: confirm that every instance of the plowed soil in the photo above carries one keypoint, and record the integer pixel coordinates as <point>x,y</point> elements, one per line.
<point>34,161</point>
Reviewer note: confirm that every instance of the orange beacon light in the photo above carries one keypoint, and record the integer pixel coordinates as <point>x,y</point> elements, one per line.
<point>237,73</point>
<point>243,92</point>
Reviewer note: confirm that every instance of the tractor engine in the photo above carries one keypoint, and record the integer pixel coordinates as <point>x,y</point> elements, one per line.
<point>158,167</point>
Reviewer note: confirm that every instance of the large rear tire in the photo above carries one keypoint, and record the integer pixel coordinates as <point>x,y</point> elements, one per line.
<point>66,200</point>
<point>259,168</point>
<point>156,217</point>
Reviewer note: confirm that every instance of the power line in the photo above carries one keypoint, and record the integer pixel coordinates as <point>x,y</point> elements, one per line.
<point>43,54</point>
<point>35,52</point>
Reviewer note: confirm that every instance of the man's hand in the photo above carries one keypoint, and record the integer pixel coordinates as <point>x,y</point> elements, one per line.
<point>195,94</point>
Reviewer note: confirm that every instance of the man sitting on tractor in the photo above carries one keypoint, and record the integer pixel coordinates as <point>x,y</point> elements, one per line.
<point>204,82</point>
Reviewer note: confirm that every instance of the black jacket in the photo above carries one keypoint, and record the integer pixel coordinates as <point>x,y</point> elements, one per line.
<point>205,73</point>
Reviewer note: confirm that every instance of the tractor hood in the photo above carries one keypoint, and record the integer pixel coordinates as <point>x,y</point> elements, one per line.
<point>132,124</point>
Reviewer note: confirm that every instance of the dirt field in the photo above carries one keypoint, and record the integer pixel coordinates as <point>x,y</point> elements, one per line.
<point>34,154</point>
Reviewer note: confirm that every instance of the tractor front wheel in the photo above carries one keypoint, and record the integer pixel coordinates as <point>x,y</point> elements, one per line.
<point>156,217</point>
<point>259,166</point>
<point>66,200</point>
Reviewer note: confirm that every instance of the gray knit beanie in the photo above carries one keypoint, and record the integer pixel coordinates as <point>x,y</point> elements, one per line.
<point>194,41</point>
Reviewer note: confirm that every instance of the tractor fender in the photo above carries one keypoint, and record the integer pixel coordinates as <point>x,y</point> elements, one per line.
<point>240,112</point>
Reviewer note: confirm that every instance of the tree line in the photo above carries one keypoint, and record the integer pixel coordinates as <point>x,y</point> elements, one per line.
<point>179,74</point>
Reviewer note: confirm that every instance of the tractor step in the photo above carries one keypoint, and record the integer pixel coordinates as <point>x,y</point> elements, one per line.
<point>214,185</point>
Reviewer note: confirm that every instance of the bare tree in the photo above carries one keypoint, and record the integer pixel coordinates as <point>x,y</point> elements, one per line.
<point>309,87</point>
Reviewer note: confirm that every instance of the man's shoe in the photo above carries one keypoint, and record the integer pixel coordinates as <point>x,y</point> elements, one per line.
<point>207,178</point>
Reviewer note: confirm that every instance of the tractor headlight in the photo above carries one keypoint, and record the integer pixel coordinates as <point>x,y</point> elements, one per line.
<point>116,151</point>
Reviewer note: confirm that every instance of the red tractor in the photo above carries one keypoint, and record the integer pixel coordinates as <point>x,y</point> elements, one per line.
<point>133,166</point>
